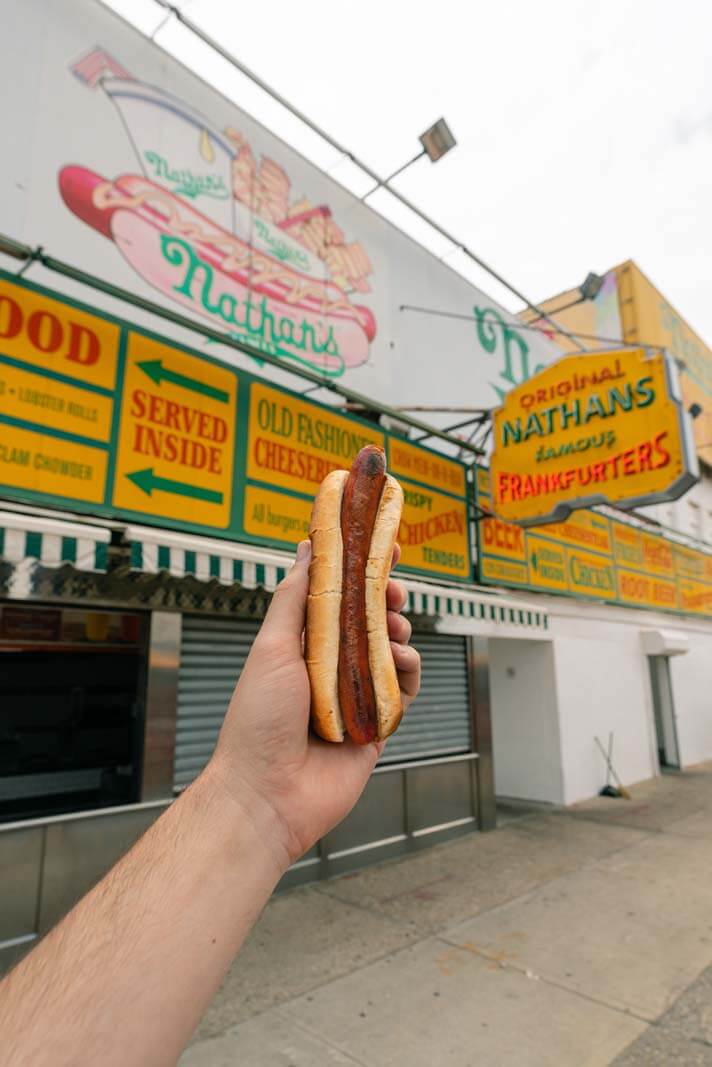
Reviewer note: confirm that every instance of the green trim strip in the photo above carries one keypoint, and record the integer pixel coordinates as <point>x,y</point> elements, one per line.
<point>55,376</point>
<point>47,431</point>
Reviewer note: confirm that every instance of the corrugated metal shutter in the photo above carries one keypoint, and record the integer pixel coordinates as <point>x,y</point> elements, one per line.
<point>213,653</point>
<point>438,721</point>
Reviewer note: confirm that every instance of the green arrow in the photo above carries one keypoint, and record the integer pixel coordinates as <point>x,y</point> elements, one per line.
<point>147,481</point>
<point>154,369</point>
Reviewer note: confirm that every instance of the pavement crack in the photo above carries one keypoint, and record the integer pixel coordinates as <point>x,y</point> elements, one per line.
<point>319,1036</point>
<point>527,972</point>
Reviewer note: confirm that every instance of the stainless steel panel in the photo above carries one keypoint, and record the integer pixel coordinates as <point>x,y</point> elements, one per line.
<point>378,852</point>
<point>438,795</point>
<point>479,671</point>
<point>79,852</point>
<point>161,706</point>
<point>12,951</point>
<point>20,867</point>
<point>378,815</point>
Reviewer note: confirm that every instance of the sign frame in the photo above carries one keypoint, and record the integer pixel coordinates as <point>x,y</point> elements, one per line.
<point>562,508</point>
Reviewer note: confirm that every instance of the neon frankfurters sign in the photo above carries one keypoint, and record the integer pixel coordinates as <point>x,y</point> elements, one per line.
<point>603,428</point>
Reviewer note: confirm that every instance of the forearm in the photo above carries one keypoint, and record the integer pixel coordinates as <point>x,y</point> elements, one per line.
<point>126,976</point>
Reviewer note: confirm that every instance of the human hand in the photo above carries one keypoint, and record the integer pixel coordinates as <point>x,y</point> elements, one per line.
<point>266,756</point>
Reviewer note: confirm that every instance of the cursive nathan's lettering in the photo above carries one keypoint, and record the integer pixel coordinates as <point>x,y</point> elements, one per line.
<point>185,182</point>
<point>248,318</point>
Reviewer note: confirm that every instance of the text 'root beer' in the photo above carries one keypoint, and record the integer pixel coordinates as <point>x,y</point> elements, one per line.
<point>353,529</point>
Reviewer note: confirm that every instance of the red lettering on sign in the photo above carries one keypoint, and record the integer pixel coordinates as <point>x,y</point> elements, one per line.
<point>84,345</point>
<point>664,454</point>
<point>10,317</point>
<point>46,333</point>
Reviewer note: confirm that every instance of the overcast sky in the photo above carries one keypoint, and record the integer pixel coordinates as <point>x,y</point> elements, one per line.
<point>584,129</point>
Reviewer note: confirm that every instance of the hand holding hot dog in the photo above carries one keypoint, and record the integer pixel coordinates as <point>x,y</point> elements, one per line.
<point>266,755</point>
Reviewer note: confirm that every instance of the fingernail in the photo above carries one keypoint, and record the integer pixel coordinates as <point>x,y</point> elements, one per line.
<point>303,551</point>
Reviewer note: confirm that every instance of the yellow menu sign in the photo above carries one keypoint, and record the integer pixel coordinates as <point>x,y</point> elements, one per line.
<point>590,555</point>
<point>275,515</point>
<point>98,416</point>
<point>434,532</point>
<point>177,438</point>
<point>58,367</point>
<point>294,444</point>
<point>606,427</point>
<point>420,465</point>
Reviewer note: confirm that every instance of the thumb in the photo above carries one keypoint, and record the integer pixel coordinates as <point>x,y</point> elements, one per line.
<point>285,616</point>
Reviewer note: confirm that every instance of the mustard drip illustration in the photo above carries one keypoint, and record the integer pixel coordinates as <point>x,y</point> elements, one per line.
<point>206,149</point>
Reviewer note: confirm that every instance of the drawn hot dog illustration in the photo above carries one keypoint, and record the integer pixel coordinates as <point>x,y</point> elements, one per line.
<point>354,524</point>
<point>240,288</point>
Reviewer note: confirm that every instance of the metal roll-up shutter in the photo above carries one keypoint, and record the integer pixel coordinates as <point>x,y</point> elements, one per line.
<point>437,723</point>
<point>212,655</point>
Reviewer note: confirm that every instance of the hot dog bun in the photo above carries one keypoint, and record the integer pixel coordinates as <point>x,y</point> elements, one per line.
<point>322,635</point>
<point>321,638</point>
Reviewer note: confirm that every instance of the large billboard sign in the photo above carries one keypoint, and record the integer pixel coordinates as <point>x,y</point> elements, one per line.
<point>604,428</point>
<point>105,419</point>
<point>119,160</point>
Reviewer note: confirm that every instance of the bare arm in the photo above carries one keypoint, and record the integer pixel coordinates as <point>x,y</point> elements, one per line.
<point>126,976</point>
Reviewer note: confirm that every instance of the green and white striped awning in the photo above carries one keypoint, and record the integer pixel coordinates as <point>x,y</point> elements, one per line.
<point>490,607</point>
<point>155,550</point>
<point>28,540</point>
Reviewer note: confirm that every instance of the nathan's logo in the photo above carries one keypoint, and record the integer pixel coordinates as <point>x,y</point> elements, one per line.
<point>247,318</point>
<point>184,181</point>
<point>285,253</point>
<point>594,429</point>
<point>500,339</point>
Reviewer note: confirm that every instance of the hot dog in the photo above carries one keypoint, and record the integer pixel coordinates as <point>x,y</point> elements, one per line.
<point>354,684</point>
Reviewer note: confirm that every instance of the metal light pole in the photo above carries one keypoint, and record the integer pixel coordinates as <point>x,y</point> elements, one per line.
<point>436,141</point>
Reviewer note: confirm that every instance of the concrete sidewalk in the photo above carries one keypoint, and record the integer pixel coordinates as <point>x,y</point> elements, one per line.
<point>569,937</point>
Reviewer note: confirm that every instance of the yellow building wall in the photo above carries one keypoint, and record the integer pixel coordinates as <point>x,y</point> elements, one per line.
<point>630,308</point>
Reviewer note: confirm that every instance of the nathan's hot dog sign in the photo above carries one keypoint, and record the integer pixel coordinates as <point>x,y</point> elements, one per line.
<point>608,427</point>
<point>222,232</point>
<point>100,417</point>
